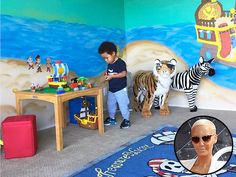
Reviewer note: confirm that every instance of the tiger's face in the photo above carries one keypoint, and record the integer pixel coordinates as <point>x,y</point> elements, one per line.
<point>164,68</point>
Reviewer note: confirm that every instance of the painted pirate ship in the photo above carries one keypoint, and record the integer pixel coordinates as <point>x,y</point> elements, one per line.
<point>59,76</point>
<point>216,29</point>
<point>85,117</point>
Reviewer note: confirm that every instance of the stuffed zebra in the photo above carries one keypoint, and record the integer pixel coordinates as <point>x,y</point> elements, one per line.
<point>188,81</point>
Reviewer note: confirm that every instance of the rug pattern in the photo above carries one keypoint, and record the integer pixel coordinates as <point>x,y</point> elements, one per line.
<point>149,156</point>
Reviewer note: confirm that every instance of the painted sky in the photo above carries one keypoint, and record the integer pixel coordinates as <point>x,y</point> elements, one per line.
<point>123,14</point>
<point>154,12</point>
<point>109,13</point>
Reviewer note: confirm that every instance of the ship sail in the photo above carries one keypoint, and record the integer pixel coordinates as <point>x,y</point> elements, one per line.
<point>84,112</point>
<point>60,69</point>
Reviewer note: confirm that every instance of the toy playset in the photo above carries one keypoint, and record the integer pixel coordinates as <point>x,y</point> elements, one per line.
<point>58,84</point>
<point>59,76</point>
<point>81,83</point>
<point>86,118</point>
<point>58,80</point>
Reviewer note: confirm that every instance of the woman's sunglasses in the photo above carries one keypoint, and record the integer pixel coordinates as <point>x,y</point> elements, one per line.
<point>206,138</point>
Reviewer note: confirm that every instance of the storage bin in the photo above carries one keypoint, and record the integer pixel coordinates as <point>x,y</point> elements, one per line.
<point>19,134</point>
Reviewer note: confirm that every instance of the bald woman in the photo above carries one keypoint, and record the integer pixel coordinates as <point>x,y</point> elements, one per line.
<point>203,133</point>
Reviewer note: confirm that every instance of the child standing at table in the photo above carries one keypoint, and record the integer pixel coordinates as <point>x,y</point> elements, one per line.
<point>116,76</point>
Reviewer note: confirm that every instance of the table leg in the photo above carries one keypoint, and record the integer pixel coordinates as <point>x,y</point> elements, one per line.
<point>58,110</point>
<point>65,114</point>
<point>18,106</point>
<point>100,111</point>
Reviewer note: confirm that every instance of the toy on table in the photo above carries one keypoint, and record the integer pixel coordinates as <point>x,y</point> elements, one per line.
<point>81,83</point>
<point>60,90</point>
<point>85,118</point>
<point>59,76</point>
<point>36,87</point>
<point>33,87</point>
<point>74,84</point>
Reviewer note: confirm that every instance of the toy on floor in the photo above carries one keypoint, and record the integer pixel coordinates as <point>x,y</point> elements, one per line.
<point>188,81</point>
<point>85,118</point>
<point>59,76</point>
<point>148,84</point>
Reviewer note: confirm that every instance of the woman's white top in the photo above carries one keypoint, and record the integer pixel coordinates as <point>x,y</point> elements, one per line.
<point>215,164</point>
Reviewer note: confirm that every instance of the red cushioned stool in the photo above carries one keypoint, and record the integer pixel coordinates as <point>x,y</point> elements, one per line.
<point>19,135</point>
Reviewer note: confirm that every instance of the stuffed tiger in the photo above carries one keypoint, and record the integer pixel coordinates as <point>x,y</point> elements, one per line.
<point>148,84</point>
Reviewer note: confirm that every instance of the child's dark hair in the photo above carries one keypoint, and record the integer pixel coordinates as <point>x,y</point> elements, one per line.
<point>107,47</point>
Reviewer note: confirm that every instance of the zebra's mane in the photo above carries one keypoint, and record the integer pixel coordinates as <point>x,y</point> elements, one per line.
<point>197,65</point>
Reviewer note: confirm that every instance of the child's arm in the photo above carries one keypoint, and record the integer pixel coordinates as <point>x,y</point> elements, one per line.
<point>118,75</point>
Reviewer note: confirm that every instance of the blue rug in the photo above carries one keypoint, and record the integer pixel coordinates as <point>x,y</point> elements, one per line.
<point>146,158</point>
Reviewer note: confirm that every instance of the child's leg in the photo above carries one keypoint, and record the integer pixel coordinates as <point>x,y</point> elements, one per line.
<point>111,104</point>
<point>123,101</point>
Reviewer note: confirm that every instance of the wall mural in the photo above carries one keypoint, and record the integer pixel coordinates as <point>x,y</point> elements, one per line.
<point>30,46</point>
<point>216,30</point>
<point>73,43</point>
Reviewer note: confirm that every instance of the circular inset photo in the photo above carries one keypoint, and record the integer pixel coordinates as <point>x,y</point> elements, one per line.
<point>203,145</point>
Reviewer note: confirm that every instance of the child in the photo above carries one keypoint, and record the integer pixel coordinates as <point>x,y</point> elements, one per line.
<point>116,76</point>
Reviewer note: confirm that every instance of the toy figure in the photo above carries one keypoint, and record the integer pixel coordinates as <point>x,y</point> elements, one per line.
<point>33,87</point>
<point>89,85</point>
<point>30,62</point>
<point>48,64</point>
<point>82,80</point>
<point>74,80</point>
<point>37,63</point>
<point>74,84</point>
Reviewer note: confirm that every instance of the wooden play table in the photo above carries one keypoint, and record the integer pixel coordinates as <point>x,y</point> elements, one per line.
<point>59,107</point>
